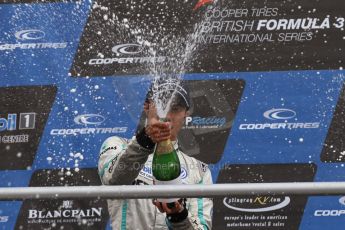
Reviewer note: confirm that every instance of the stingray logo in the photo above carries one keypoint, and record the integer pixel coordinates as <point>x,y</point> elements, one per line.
<point>257,204</point>
<point>29,34</point>
<point>89,119</point>
<point>127,49</point>
<point>201,3</point>
<point>183,174</point>
<point>279,114</point>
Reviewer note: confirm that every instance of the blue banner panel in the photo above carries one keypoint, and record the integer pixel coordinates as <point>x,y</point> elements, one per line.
<point>38,41</point>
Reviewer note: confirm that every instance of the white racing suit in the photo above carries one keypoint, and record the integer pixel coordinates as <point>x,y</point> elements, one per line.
<point>126,162</point>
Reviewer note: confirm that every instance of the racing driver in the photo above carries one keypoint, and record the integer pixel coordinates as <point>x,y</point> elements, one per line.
<point>128,162</point>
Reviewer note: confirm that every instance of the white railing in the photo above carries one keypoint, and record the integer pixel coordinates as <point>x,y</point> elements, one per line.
<point>166,191</point>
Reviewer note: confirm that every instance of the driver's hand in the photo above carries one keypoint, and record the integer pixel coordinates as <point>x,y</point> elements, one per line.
<point>163,207</point>
<point>157,130</point>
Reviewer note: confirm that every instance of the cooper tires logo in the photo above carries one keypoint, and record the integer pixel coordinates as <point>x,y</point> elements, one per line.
<point>229,204</point>
<point>331,212</point>
<point>282,115</point>
<point>28,39</point>
<point>127,49</point>
<point>89,119</point>
<point>4,219</point>
<point>29,34</point>
<point>342,200</point>
<point>127,54</point>
<point>279,114</point>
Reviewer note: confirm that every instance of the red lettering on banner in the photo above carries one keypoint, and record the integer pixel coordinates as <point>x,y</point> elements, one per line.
<point>201,3</point>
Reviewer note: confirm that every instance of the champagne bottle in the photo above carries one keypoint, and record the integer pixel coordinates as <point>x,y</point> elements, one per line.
<point>166,168</point>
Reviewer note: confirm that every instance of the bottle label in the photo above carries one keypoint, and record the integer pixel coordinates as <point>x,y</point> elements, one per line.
<point>167,200</point>
<point>169,182</point>
<point>176,181</point>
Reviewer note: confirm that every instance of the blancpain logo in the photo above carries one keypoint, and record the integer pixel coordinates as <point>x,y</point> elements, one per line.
<point>29,39</point>
<point>127,49</point>
<point>127,54</point>
<point>67,213</point>
<point>279,114</point>
<point>67,204</point>
<point>283,115</point>
<point>29,34</point>
<point>88,119</point>
<point>258,204</point>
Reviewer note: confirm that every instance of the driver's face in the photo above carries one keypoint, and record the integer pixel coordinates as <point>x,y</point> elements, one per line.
<point>176,116</point>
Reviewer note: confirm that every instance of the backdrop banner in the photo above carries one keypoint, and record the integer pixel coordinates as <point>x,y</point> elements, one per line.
<point>266,81</point>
